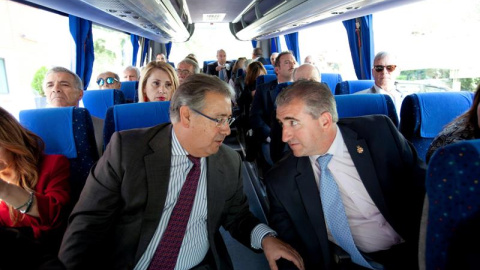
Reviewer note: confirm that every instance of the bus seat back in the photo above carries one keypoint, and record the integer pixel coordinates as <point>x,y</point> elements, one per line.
<point>331,79</point>
<point>353,86</point>
<point>366,104</point>
<point>424,115</point>
<point>134,115</point>
<point>453,207</point>
<point>67,131</point>
<point>269,67</point>
<point>98,101</point>
<point>130,91</point>
<point>265,79</point>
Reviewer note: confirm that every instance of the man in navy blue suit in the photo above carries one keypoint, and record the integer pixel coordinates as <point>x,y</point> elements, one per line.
<point>380,181</point>
<point>261,113</point>
<point>222,68</point>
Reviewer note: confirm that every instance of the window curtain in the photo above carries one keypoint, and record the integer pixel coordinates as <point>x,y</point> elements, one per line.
<point>144,53</point>
<point>81,31</point>
<point>360,39</point>
<point>275,44</point>
<point>292,44</point>
<point>168,47</point>
<point>134,39</point>
<point>254,43</point>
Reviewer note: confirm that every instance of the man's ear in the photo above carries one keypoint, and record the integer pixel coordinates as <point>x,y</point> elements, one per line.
<point>326,120</point>
<point>185,116</point>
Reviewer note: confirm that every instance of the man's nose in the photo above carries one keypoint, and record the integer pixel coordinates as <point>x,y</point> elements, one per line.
<point>286,134</point>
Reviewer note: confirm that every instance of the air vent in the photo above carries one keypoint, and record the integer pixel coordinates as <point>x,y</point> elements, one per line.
<point>215,17</point>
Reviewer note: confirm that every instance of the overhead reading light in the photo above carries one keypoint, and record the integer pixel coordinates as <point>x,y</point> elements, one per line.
<point>214,17</point>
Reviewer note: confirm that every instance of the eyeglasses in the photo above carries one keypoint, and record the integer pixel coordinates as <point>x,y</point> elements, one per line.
<point>220,122</point>
<point>380,68</point>
<point>183,71</point>
<point>109,80</point>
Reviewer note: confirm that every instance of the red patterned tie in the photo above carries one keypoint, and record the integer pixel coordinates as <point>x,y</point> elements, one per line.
<point>166,255</point>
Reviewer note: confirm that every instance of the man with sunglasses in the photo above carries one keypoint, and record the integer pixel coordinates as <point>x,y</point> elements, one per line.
<point>108,80</point>
<point>384,73</point>
<point>128,214</point>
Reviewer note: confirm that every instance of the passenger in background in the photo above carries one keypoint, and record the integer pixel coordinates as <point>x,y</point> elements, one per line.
<point>306,72</point>
<point>245,90</point>
<point>257,55</point>
<point>34,195</point>
<point>108,80</point>
<point>309,60</point>
<point>185,68</point>
<point>192,57</point>
<point>158,196</point>
<point>385,72</point>
<point>357,176</point>
<point>464,127</point>
<point>221,68</point>
<point>158,82</point>
<point>277,147</point>
<point>273,56</point>
<point>261,113</point>
<point>160,57</point>
<point>131,73</point>
<point>239,64</point>
<point>64,88</point>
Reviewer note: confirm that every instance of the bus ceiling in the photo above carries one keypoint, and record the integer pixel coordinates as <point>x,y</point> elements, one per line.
<point>173,20</point>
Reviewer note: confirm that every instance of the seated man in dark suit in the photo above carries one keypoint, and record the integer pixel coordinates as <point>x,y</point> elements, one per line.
<point>263,106</point>
<point>151,183</point>
<point>222,68</point>
<point>350,193</point>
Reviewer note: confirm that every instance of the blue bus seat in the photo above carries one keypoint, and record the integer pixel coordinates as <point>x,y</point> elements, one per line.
<point>98,101</point>
<point>452,185</point>
<point>67,131</point>
<point>205,64</point>
<point>134,115</point>
<point>269,67</point>
<point>265,79</point>
<point>271,72</point>
<point>366,104</point>
<point>130,91</point>
<point>353,86</point>
<point>240,73</point>
<point>331,79</point>
<point>423,115</point>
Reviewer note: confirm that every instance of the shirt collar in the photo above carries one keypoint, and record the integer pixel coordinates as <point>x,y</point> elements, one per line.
<point>177,149</point>
<point>336,148</point>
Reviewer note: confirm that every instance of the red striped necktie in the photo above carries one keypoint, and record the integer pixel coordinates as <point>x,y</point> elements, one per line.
<point>165,257</point>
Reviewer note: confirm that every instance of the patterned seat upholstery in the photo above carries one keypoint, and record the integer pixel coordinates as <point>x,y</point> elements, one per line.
<point>98,101</point>
<point>66,131</point>
<point>453,189</point>
<point>423,115</point>
<point>134,115</point>
<point>353,86</point>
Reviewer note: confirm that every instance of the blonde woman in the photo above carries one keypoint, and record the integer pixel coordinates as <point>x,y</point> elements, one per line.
<point>158,82</point>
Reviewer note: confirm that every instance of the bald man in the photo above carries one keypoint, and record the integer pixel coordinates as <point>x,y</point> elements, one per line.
<point>306,72</point>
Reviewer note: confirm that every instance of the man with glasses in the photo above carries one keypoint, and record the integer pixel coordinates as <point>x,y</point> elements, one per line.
<point>153,182</point>
<point>108,80</point>
<point>186,67</point>
<point>385,72</point>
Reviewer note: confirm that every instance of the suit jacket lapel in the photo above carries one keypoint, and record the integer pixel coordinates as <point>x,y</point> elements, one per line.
<point>361,157</point>
<point>312,203</point>
<point>157,166</point>
<point>215,191</point>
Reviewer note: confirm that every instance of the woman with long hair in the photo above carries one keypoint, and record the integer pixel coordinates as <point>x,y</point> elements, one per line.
<point>158,82</point>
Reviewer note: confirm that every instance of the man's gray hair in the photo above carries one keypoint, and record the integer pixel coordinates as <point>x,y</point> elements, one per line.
<point>315,95</point>
<point>77,82</point>
<point>196,68</point>
<point>137,71</point>
<point>192,93</point>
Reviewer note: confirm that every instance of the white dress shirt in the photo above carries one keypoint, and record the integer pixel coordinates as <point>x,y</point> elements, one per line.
<point>370,231</point>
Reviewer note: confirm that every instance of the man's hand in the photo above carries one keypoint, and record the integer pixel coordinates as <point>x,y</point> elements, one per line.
<point>219,67</point>
<point>275,249</point>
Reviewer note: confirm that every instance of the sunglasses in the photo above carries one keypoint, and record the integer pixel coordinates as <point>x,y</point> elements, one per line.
<point>109,80</point>
<point>380,68</point>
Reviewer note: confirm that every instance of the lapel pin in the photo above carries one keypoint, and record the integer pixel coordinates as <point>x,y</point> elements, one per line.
<point>359,149</point>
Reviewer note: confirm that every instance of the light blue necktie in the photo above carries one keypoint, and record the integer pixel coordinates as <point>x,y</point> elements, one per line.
<point>222,74</point>
<point>334,212</point>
